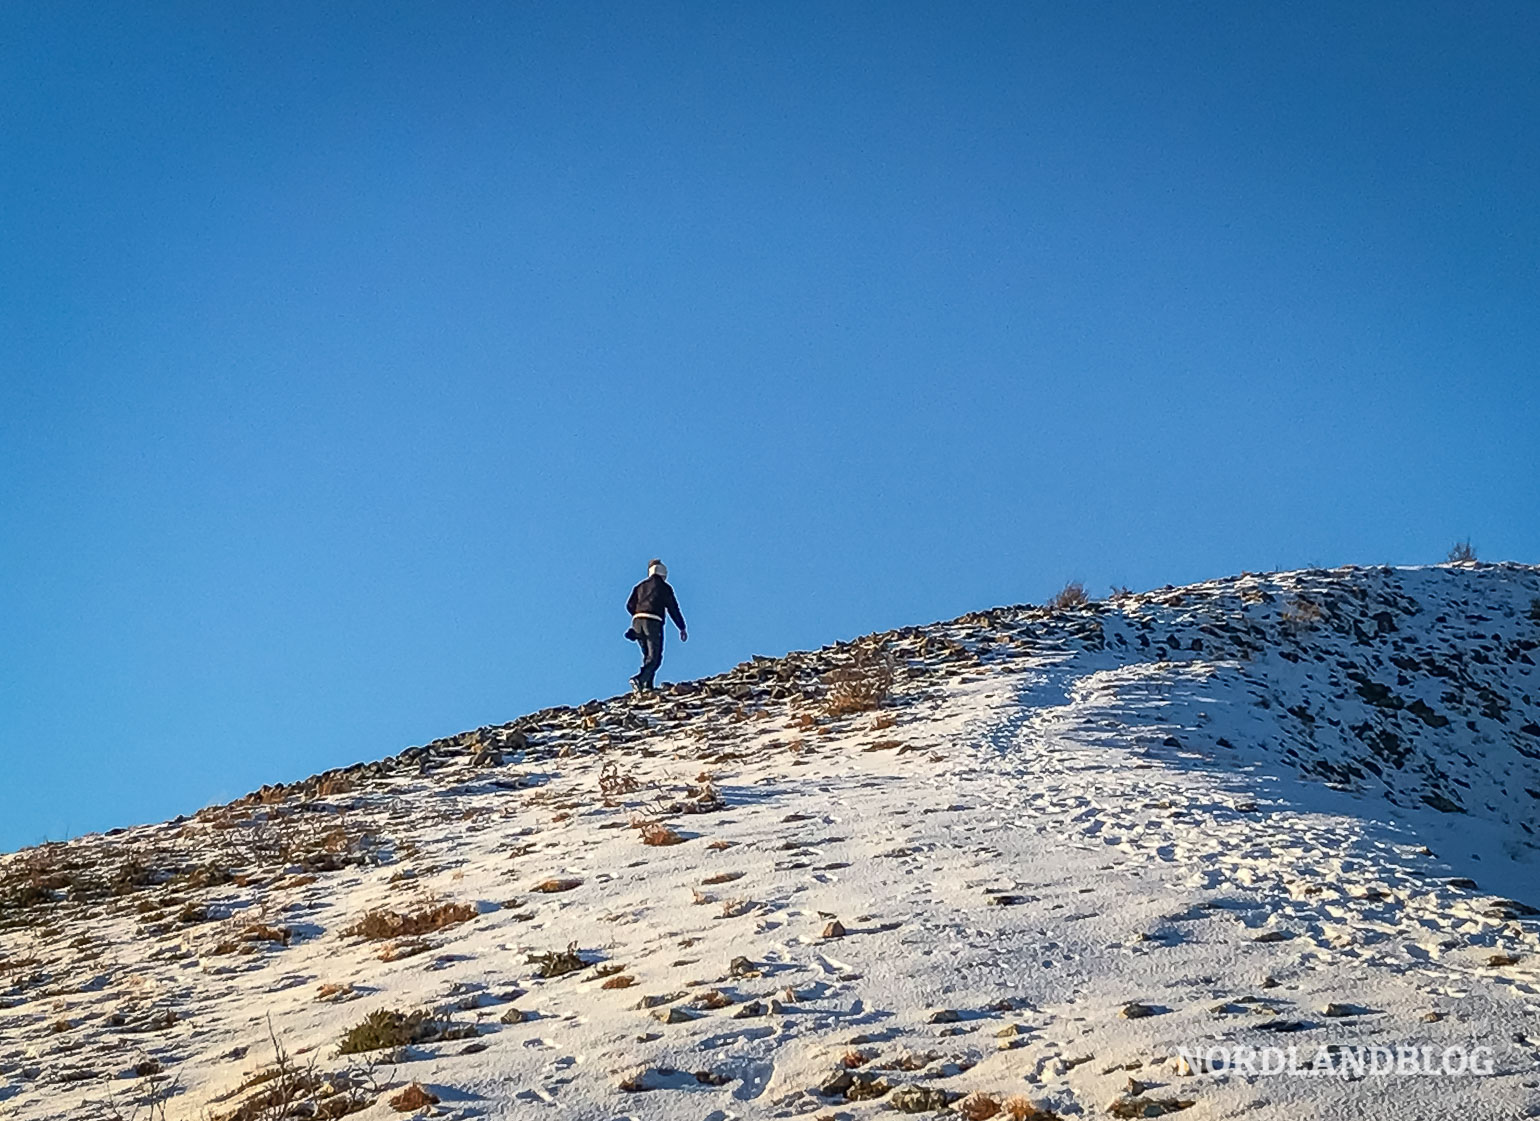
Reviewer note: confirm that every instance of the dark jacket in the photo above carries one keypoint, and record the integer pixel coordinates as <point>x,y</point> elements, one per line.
<point>654,597</point>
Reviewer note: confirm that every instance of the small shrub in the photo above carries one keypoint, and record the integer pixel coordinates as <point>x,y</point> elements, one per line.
<point>612,784</point>
<point>1462,552</point>
<point>380,923</point>
<point>1069,596</point>
<point>702,799</point>
<point>860,686</point>
<point>558,963</point>
<point>386,1027</point>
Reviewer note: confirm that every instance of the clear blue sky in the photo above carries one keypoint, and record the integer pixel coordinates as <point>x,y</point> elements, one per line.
<point>354,358</point>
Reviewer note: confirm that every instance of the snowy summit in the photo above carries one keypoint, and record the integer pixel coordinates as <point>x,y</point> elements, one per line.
<point>1105,858</point>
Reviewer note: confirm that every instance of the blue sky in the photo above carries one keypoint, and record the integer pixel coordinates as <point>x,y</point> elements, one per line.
<point>355,358</point>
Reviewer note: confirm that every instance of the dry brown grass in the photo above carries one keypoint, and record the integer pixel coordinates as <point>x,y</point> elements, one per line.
<point>380,923</point>
<point>861,686</point>
<point>556,884</point>
<point>558,963</point>
<point>409,948</point>
<point>656,833</point>
<point>330,785</point>
<point>1301,614</point>
<point>250,937</point>
<point>978,1107</point>
<point>613,784</point>
<point>1071,595</point>
<point>287,1090</point>
<point>620,981</point>
<point>1019,1107</point>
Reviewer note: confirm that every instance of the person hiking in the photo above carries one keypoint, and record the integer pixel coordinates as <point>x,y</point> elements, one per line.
<point>649,602</point>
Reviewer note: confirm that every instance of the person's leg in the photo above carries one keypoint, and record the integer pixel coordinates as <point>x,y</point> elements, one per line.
<point>652,649</point>
<point>641,640</point>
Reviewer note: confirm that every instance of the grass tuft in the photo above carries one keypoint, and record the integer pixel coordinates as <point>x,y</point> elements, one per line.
<point>380,923</point>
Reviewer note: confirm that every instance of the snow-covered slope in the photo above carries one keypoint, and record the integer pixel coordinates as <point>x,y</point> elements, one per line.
<point>1287,809</point>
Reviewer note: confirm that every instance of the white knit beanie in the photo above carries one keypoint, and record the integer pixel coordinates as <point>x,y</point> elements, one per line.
<point>656,567</point>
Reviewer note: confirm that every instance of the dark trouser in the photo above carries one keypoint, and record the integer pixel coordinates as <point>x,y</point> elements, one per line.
<point>649,636</point>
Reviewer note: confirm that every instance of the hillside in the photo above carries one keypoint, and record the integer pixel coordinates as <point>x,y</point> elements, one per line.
<point>1294,808</point>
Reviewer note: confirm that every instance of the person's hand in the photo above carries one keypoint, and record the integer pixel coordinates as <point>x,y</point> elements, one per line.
<point>684,636</point>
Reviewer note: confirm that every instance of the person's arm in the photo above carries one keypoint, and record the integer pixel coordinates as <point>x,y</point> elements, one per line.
<point>631,603</point>
<point>673,611</point>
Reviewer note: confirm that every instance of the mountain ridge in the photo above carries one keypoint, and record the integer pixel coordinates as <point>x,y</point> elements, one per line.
<point>827,874</point>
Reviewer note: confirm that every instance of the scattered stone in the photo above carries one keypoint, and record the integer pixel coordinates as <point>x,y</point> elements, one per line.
<point>414,1097</point>
<point>836,1085</point>
<point>945,1016</point>
<point>657,1000</point>
<point>919,1099</point>
<point>1137,1011</point>
<point>1148,1107</point>
<point>557,884</point>
<point>865,1088</point>
<point>1273,936</point>
<point>712,999</point>
<point>673,1014</point>
<point>835,929</point>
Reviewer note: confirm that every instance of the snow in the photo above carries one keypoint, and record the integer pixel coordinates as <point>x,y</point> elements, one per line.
<point>1217,802</point>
